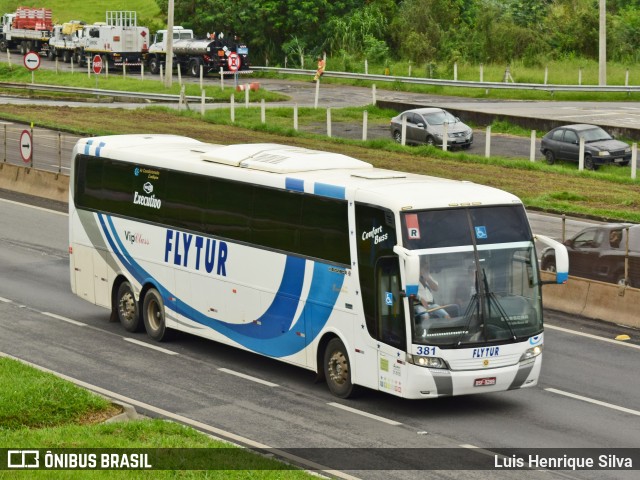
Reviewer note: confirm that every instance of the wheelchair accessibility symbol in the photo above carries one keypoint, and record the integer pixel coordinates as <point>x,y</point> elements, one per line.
<point>481,233</point>
<point>388,298</point>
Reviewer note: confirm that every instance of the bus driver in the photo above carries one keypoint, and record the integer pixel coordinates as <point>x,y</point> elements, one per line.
<point>426,307</point>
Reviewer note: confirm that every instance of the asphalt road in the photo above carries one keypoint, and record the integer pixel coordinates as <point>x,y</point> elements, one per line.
<point>588,396</point>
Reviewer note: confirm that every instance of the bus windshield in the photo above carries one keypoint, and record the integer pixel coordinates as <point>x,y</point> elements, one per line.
<point>479,285</point>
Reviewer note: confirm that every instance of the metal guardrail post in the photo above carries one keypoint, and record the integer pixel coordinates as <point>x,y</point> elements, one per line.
<point>487,145</point>
<point>626,259</point>
<point>59,152</point>
<point>32,147</point>
<point>365,118</point>
<point>532,150</point>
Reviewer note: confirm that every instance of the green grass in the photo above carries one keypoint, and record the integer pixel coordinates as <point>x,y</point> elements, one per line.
<point>89,11</point>
<point>34,399</point>
<point>41,411</point>
<point>558,73</point>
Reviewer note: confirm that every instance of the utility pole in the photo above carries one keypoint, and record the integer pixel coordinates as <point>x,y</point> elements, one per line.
<point>602,57</point>
<point>168,75</point>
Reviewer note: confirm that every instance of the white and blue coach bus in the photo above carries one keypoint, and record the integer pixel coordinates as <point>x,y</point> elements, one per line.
<point>313,258</point>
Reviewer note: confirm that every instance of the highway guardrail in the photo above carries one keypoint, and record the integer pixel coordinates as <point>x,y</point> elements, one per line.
<point>456,83</point>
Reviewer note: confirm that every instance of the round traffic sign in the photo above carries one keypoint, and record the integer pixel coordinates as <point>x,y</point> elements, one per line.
<point>31,60</point>
<point>25,146</point>
<point>234,62</point>
<point>97,64</point>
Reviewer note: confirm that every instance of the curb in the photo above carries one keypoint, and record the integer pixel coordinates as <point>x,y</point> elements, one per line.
<point>129,413</point>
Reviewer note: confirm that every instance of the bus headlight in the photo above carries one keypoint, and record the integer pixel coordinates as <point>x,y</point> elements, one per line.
<point>428,362</point>
<point>531,353</point>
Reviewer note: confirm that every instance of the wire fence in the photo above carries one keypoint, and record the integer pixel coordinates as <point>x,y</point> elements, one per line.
<point>36,147</point>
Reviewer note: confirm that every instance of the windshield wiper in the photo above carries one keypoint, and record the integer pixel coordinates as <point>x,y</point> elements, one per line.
<point>482,309</point>
<point>492,298</point>
<point>473,309</point>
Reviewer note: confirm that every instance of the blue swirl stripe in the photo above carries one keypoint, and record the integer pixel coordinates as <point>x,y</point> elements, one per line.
<point>277,332</point>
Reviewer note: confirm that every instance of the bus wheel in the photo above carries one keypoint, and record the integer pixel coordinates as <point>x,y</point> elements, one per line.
<point>337,369</point>
<point>153,315</point>
<point>128,308</point>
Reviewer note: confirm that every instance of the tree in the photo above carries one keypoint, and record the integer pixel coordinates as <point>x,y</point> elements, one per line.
<point>266,25</point>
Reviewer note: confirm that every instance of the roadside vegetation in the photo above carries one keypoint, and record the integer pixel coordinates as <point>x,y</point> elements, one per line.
<point>41,411</point>
<point>608,193</point>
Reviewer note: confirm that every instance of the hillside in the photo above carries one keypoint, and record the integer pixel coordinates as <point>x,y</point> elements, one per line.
<point>89,11</point>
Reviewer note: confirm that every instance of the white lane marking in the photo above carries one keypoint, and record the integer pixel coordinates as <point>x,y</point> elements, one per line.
<point>364,414</point>
<point>5,300</point>
<point>64,319</point>
<point>148,345</point>
<point>218,433</point>
<point>594,337</point>
<point>595,402</point>
<point>248,377</point>
<point>34,207</point>
<point>484,451</point>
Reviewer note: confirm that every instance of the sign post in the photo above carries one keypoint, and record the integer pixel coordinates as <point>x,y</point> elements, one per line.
<point>26,147</point>
<point>31,61</point>
<point>97,66</point>
<point>233,62</point>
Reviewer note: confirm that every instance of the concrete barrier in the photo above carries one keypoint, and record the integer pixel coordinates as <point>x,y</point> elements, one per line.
<point>54,186</point>
<point>592,299</point>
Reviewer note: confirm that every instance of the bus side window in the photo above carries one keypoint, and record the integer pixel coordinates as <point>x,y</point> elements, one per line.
<point>390,306</point>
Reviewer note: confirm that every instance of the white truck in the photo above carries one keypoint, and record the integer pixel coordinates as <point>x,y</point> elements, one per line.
<point>65,40</point>
<point>28,29</point>
<point>190,53</point>
<point>119,41</point>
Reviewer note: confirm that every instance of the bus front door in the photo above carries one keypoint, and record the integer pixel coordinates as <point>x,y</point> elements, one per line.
<point>390,326</point>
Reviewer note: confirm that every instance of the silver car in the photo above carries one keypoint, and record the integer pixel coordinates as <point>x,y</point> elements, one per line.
<point>426,126</point>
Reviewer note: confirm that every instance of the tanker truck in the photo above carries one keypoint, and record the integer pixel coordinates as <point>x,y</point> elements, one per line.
<point>212,53</point>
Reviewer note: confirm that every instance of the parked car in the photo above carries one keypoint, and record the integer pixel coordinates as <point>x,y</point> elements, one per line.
<point>426,126</point>
<point>598,253</point>
<point>600,148</point>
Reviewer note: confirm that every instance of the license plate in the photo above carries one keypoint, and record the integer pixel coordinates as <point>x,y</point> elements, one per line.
<point>484,382</point>
<point>618,160</point>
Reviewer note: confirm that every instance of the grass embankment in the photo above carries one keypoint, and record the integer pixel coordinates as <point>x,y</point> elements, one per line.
<point>566,72</point>
<point>41,411</point>
<point>89,11</point>
<point>608,193</point>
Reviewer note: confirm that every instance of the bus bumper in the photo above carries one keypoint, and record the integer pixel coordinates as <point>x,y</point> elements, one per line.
<point>432,383</point>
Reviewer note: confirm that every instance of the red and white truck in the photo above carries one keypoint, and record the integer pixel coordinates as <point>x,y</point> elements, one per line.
<point>28,29</point>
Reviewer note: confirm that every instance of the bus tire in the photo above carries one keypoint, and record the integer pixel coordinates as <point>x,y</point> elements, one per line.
<point>127,308</point>
<point>337,370</point>
<point>153,315</point>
